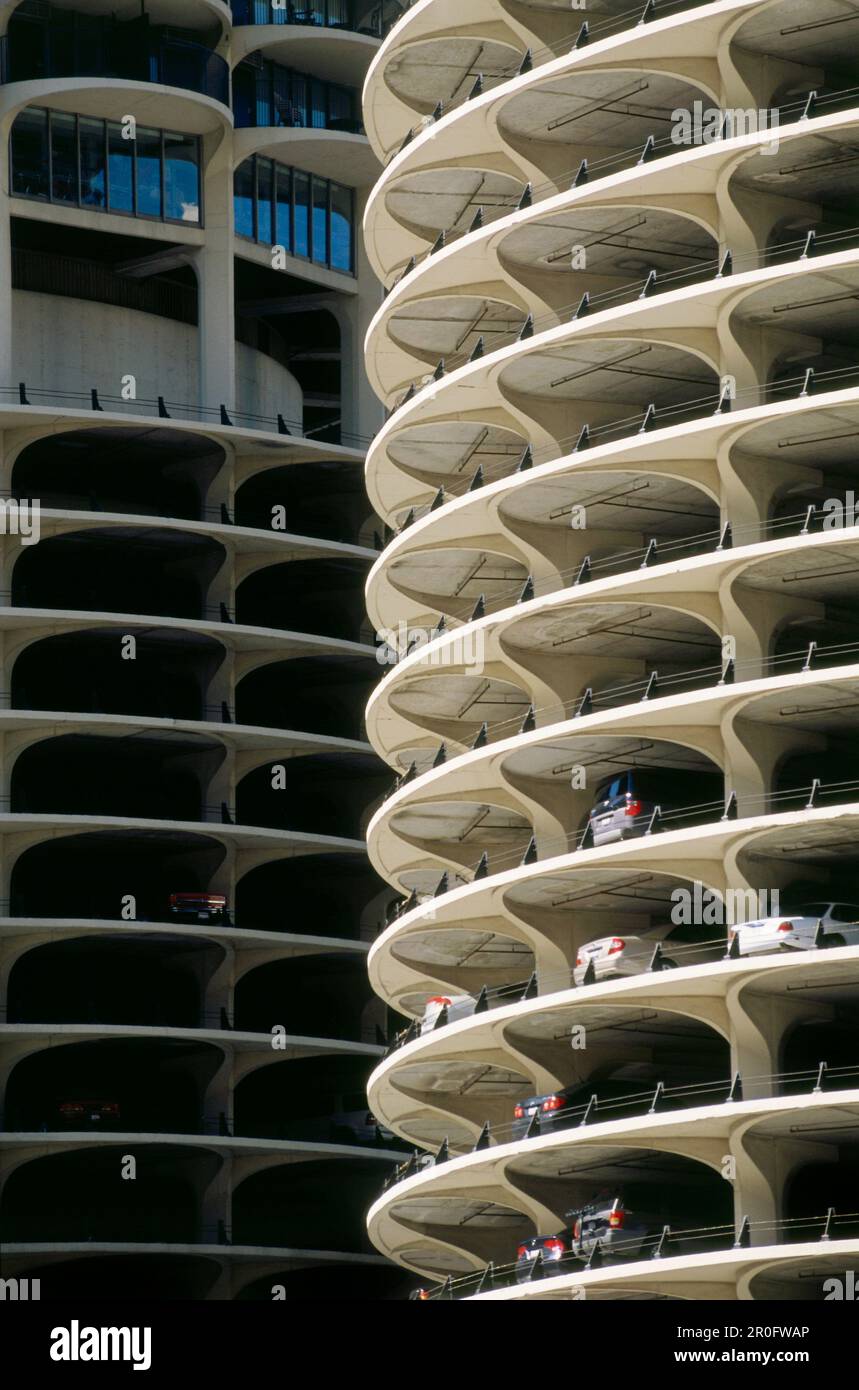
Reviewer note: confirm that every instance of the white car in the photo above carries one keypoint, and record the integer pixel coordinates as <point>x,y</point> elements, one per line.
<point>457,1005</point>
<point>839,923</point>
<point>629,954</point>
<point>613,956</point>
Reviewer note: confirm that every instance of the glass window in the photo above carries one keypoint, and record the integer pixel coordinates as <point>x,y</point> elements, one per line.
<point>93,163</point>
<point>120,163</point>
<point>341,228</point>
<point>30,154</point>
<point>263,98</point>
<point>283,228</point>
<point>64,158</point>
<point>340,108</point>
<point>181,178</point>
<point>148,172</point>
<point>320,221</point>
<point>264,197</point>
<point>298,100</point>
<point>301,208</point>
<point>318,105</point>
<point>243,199</point>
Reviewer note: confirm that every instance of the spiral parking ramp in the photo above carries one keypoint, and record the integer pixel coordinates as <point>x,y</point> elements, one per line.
<point>618,357</point>
<point>185,536</point>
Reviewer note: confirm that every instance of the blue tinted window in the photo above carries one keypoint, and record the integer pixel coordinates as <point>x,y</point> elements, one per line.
<point>310,217</point>
<point>301,185</point>
<point>243,199</point>
<point>120,169</point>
<point>148,146</point>
<point>105,165</point>
<point>181,178</point>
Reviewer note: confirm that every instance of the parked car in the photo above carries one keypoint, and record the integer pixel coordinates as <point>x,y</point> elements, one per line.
<point>74,1113</point>
<point>457,1005</point>
<point>565,1107</point>
<point>198,907</point>
<point>552,1248</point>
<point>622,1231</point>
<point>630,954</point>
<point>797,931</point>
<point>624,803</point>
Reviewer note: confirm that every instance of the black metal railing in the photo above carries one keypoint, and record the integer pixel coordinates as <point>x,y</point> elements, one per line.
<point>165,408</point>
<point>158,56</point>
<point>697,1240</point>
<point>816,795</point>
<point>374,21</point>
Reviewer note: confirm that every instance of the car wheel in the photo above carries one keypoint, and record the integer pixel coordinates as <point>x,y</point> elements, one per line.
<point>833,939</point>
<point>668,964</point>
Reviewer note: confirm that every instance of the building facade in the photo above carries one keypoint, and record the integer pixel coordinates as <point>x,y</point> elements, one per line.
<point>187,904</point>
<point>618,354</point>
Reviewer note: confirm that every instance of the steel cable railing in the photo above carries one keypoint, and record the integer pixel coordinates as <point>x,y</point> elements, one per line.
<point>586,33</point>
<point>656,551</point>
<point>805,383</point>
<point>164,409</point>
<point>647,287</point>
<point>750,1234</point>
<point>658,1099</point>
<point>706,813</point>
<point>652,686</point>
<point>652,149</point>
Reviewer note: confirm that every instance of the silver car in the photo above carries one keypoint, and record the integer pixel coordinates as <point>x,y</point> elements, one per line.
<point>624,804</point>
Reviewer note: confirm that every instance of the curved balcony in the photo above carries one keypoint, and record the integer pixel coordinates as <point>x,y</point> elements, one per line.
<point>92,46</point>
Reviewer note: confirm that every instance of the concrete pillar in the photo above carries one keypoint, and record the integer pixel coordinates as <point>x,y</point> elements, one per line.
<point>214,269</point>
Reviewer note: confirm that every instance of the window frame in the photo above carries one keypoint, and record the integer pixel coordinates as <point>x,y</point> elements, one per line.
<point>110,211</point>
<point>292,175</point>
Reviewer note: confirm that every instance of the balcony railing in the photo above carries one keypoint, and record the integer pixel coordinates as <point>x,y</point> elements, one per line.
<point>162,58</point>
<point>329,14</point>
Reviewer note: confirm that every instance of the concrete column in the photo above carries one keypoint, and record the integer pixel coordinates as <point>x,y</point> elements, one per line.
<point>214,268</point>
<point>360,411</point>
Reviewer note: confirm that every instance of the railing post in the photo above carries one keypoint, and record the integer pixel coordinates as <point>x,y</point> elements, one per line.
<point>660,1245</point>
<point>585,704</point>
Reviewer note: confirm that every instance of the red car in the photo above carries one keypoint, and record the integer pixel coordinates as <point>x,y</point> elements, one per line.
<point>88,1114</point>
